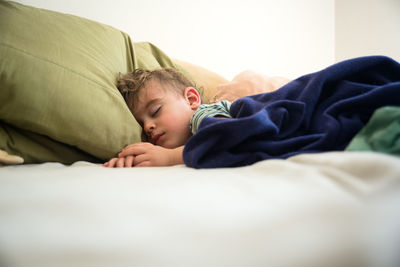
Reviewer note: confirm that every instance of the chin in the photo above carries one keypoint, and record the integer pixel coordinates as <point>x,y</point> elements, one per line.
<point>172,145</point>
<point>167,145</point>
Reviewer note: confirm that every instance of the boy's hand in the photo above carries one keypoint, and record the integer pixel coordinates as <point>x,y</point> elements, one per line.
<point>120,162</point>
<point>147,154</point>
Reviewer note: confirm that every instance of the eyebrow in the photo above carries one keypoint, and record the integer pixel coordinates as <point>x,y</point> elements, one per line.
<point>151,102</point>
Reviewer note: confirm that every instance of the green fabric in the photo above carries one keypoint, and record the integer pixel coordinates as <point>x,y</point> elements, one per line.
<point>148,56</point>
<point>37,148</point>
<point>58,81</point>
<point>381,133</point>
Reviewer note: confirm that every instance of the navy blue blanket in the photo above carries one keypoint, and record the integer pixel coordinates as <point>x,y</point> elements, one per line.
<point>318,112</point>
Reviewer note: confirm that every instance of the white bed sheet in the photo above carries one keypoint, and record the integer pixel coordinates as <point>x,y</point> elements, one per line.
<point>329,209</point>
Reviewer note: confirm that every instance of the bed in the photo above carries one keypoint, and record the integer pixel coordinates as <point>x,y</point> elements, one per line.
<point>61,116</point>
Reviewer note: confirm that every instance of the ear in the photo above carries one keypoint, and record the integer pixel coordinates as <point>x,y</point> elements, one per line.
<point>192,96</point>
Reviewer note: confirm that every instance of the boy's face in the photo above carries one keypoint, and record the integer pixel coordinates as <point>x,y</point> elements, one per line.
<point>164,114</point>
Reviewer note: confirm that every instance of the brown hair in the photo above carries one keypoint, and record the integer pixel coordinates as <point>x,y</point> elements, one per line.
<point>131,83</point>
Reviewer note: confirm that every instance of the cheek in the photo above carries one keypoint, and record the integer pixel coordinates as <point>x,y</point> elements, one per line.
<point>178,120</point>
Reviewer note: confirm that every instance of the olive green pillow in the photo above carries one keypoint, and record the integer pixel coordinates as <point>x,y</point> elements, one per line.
<point>58,95</point>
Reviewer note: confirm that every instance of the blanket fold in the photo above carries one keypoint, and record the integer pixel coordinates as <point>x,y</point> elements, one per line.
<point>318,112</point>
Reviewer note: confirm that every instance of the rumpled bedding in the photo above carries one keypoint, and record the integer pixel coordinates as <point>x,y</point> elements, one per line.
<point>318,112</point>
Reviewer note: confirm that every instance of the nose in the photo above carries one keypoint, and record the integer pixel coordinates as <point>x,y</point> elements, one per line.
<point>149,127</point>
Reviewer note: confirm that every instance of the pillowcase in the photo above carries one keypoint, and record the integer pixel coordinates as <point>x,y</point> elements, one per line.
<point>58,95</point>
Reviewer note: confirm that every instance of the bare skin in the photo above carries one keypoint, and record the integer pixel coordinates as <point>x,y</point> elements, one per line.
<point>145,155</point>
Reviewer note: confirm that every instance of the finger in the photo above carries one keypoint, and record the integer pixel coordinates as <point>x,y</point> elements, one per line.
<point>129,161</point>
<point>111,163</point>
<point>134,145</point>
<point>129,150</point>
<point>135,149</point>
<point>120,162</point>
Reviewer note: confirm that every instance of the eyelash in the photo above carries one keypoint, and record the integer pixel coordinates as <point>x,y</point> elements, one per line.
<point>152,115</point>
<point>155,112</point>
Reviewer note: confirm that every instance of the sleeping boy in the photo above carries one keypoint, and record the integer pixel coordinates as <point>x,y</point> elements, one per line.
<point>318,112</point>
<point>168,107</point>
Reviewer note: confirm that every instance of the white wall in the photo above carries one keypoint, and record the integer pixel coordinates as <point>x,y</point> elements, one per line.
<point>367,27</point>
<point>286,37</point>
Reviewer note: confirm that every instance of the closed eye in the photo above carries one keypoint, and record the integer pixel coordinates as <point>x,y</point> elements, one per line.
<point>156,111</point>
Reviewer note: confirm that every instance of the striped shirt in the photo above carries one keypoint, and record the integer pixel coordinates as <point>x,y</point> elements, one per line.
<point>209,110</point>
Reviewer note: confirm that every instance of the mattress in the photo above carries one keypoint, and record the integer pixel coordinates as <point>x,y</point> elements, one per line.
<point>327,209</point>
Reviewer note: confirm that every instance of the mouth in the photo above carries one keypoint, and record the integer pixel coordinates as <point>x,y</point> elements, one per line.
<point>157,138</point>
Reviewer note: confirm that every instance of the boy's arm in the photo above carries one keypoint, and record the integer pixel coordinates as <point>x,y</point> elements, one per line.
<point>147,154</point>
